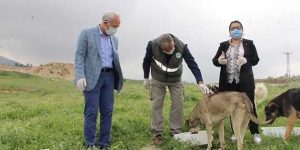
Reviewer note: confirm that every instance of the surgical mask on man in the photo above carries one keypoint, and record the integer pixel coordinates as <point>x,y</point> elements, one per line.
<point>236,33</point>
<point>111,31</point>
<point>171,51</point>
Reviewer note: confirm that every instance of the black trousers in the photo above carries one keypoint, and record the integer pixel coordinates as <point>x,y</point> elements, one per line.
<point>253,127</point>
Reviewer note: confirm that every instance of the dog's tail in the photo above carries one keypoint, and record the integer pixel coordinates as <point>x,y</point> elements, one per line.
<point>261,93</point>
<point>249,107</point>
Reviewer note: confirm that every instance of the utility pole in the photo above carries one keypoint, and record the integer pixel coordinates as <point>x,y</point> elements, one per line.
<point>288,70</point>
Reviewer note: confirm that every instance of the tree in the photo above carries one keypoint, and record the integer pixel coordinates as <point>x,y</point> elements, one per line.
<point>17,64</point>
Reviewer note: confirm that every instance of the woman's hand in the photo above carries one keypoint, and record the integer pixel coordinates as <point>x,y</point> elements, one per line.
<point>222,60</point>
<point>241,60</point>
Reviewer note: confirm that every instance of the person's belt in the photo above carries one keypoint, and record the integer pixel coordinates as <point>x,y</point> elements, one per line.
<point>106,69</point>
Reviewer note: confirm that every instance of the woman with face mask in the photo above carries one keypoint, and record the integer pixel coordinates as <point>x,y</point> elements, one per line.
<point>236,57</point>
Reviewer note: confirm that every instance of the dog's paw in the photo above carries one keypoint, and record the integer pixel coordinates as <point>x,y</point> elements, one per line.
<point>194,130</point>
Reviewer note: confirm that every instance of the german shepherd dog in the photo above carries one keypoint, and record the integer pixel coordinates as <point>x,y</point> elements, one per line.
<point>213,109</point>
<point>285,105</point>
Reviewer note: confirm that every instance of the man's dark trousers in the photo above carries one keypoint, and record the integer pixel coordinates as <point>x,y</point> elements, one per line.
<point>100,98</point>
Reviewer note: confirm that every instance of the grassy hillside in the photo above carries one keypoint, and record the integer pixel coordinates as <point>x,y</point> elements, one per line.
<point>39,113</point>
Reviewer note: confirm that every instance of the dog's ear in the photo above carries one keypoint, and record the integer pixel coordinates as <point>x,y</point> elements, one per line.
<point>273,109</point>
<point>273,106</point>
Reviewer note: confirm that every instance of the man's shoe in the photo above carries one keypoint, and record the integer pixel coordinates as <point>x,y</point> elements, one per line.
<point>172,132</point>
<point>233,139</point>
<point>104,147</point>
<point>91,147</point>
<point>257,139</point>
<point>158,140</point>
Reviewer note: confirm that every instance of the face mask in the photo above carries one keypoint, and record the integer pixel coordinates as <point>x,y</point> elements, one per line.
<point>111,31</point>
<point>171,51</point>
<point>236,34</point>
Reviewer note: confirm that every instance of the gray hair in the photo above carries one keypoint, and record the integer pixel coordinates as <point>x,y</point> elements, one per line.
<point>164,40</point>
<point>109,16</point>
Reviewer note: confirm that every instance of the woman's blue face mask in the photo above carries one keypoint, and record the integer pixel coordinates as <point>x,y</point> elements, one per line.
<point>236,33</point>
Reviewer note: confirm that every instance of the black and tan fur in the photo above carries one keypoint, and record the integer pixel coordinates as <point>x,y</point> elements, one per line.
<point>285,105</point>
<point>214,88</point>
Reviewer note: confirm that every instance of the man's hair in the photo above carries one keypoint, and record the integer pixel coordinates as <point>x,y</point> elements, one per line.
<point>236,21</point>
<point>109,16</point>
<point>164,40</point>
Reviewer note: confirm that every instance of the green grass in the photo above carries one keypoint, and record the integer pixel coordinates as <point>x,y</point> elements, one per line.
<point>38,113</point>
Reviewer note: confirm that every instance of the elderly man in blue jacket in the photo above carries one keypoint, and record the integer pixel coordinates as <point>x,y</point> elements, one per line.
<point>98,73</point>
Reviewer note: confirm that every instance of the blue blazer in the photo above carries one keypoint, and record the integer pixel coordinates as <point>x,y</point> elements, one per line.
<point>88,59</point>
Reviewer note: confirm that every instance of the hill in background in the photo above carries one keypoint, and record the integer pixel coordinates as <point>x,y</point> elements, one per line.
<point>50,70</point>
<point>66,71</point>
<point>6,61</point>
<point>279,80</point>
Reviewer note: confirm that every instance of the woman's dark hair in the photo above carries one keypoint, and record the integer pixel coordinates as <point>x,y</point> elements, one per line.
<point>235,21</point>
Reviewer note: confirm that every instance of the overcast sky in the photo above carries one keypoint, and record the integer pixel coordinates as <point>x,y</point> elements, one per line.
<point>43,31</point>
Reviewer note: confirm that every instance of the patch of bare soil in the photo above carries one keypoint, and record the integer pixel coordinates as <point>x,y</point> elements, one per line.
<point>51,70</point>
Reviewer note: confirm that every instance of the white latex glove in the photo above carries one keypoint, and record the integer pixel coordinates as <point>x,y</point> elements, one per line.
<point>222,60</point>
<point>120,91</point>
<point>81,84</point>
<point>241,60</point>
<point>204,89</point>
<point>147,84</point>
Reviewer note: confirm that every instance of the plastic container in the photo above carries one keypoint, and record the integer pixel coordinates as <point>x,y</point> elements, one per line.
<point>196,139</point>
<point>279,131</point>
